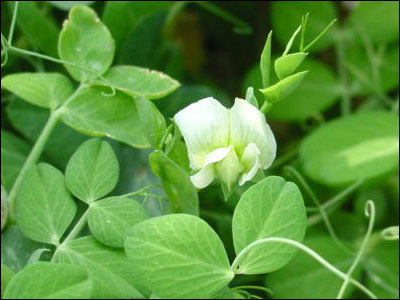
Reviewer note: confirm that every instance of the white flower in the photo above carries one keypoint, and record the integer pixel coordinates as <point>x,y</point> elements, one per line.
<point>229,144</point>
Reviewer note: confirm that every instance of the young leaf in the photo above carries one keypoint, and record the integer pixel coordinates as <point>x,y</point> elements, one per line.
<point>110,219</point>
<point>44,208</point>
<point>47,90</point>
<point>308,272</point>
<point>361,146</point>
<point>183,197</point>
<point>108,268</point>
<point>93,171</point>
<point>178,256</point>
<point>283,88</point>
<point>270,208</point>
<point>251,98</point>
<point>286,65</point>
<point>94,113</point>
<point>140,82</point>
<point>265,62</point>
<point>86,42</point>
<point>6,276</point>
<point>50,281</point>
<point>286,16</point>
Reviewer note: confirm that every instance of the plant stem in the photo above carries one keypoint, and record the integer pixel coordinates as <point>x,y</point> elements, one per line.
<point>33,157</point>
<point>37,151</point>
<point>78,227</point>
<point>305,249</point>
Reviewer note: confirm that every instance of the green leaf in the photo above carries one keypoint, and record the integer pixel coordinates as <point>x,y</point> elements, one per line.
<point>93,171</point>
<point>362,146</point>
<point>6,276</point>
<point>152,120</point>
<point>379,20</point>
<point>121,17</point>
<point>30,120</point>
<point>265,61</point>
<point>179,257</point>
<point>305,278</point>
<point>271,208</point>
<point>38,28</point>
<point>251,98</point>
<point>110,219</point>
<point>283,88</point>
<point>50,281</point>
<point>47,90</point>
<point>44,208</point>
<point>183,197</point>
<point>115,116</point>
<point>16,249</point>
<point>286,65</point>
<point>286,17</point>
<point>108,268</point>
<point>86,42</point>
<point>67,5</point>
<point>14,152</point>
<point>382,268</point>
<point>140,82</point>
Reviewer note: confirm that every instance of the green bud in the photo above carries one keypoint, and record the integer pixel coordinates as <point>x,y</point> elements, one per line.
<point>286,65</point>
<point>283,88</point>
<point>4,207</point>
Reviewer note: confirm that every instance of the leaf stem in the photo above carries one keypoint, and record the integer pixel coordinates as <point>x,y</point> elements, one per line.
<point>305,249</point>
<point>78,227</point>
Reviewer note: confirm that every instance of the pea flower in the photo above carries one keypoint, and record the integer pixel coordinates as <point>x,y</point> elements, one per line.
<point>228,144</point>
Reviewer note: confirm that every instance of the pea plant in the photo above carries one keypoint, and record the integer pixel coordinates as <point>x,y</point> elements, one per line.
<point>289,192</point>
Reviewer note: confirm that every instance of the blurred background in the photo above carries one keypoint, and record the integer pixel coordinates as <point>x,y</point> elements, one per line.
<point>213,49</point>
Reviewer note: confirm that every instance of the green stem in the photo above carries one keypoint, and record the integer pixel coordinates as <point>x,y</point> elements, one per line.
<point>305,249</point>
<point>37,151</point>
<point>78,227</point>
<point>33,157</point>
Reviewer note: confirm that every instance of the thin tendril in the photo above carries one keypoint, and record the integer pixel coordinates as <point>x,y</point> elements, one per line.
<point>370,213</point>
<point>320,208</point>
<point>13,22</point>
<point>305,249</point>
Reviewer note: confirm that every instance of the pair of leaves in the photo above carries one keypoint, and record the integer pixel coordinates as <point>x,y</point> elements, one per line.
<point>169,253</point>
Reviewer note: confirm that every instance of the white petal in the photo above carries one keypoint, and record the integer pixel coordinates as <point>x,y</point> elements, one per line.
<point>204,177</point>
<point>251,162</point>
<point>248,125</point>
<point>207,174</point>
<point>229,169</point>
<point>205,127</point>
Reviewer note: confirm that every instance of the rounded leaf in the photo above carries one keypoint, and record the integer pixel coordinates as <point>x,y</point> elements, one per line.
<point>361,146</point>
<point>286,65</point>
<point>93,171</point>
<point>110,219</point>
<point>85,41</point>
<point>271,208</point>
<point>178,256</point>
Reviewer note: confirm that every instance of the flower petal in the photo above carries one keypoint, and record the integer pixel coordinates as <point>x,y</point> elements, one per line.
<point>251,162</point>
<point>229,169</point>
<point>248,125</point>
<point>205,127</point>
<point>207,174</point>
<point>204,177</point>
